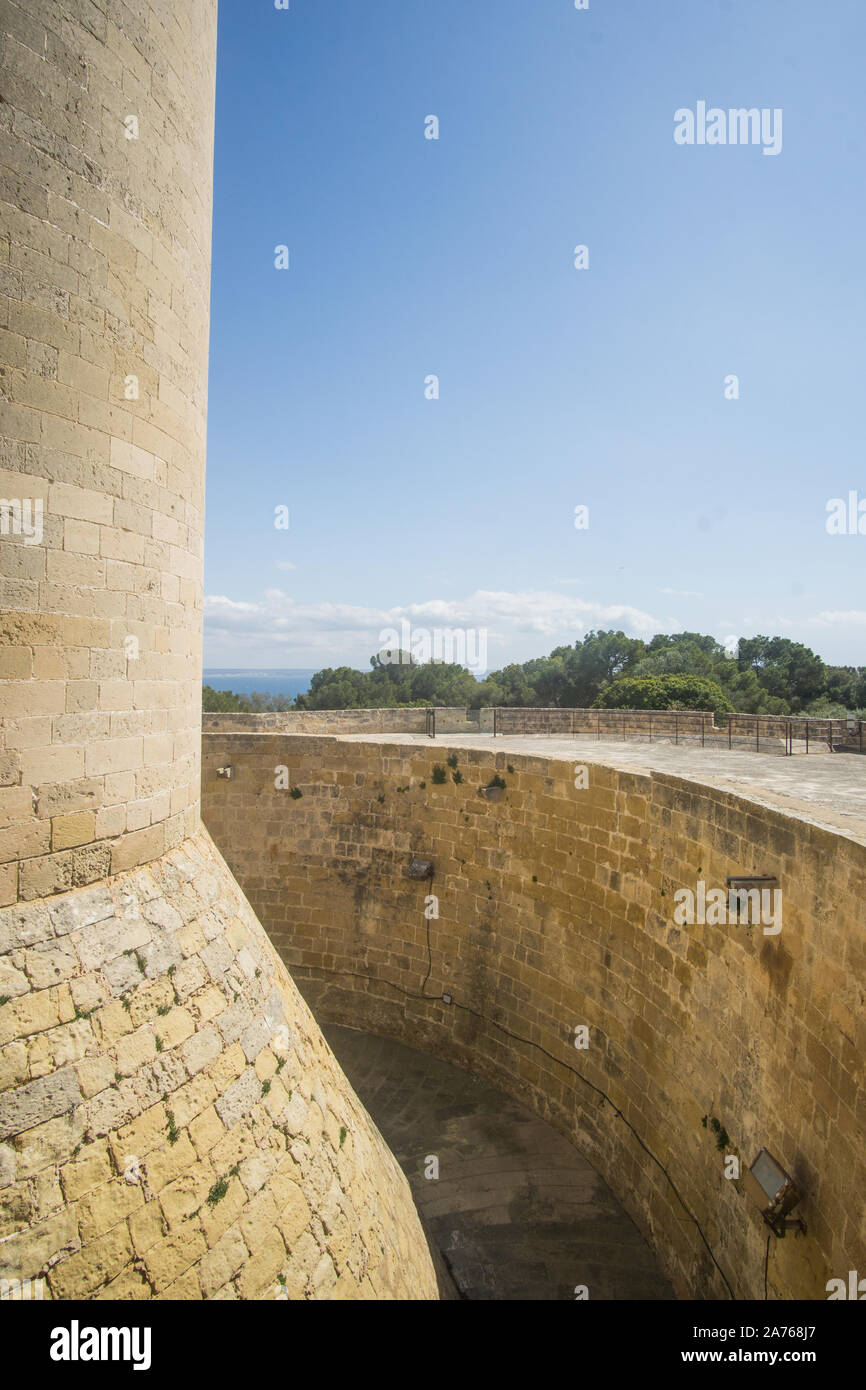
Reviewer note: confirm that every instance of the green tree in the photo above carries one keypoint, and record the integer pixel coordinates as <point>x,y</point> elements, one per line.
<point>784,668</point>
<point>665,692</point>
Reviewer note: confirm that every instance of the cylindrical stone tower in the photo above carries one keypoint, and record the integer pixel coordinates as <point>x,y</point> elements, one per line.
<point>108,134</point>
<point>171,1120</point>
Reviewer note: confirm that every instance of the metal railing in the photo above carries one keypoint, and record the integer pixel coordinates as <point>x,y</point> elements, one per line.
<point>430,728</point>
<point>769,733</point>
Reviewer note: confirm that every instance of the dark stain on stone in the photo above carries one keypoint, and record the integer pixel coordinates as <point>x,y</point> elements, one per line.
<point>778,964</point>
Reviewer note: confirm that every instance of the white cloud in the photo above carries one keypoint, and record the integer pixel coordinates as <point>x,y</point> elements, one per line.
<point>286,565</point>
<point>519,625</point>
<point>854,616</point>
<point>681,593</point>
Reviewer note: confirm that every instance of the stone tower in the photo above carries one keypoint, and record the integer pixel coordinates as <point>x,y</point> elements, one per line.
<point>171,1120</point>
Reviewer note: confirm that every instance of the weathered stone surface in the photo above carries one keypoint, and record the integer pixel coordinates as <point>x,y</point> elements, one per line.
<point>115,1080</point>
<point>201,1049</point>
<point>556,910</point>
<point>41,1100</point>
<point>82,910</point>
<point>139,1098</point>
<point>112,938</point>
<point>235,1020</point>
<point>21,927</point>
<point>240,1097</point>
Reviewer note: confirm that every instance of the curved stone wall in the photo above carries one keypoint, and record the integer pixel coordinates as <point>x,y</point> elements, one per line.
<point>555,910</point>
<point>106,251</point>
<point>172,1122</point>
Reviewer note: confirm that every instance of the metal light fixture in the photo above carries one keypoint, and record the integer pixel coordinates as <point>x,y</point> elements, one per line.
<point>781,1192</point>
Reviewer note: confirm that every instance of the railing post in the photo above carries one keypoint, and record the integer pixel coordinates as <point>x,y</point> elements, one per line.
<point>676,726</point>
<point>730,717</point>
<point>598,725</point>
<point>702,729</point>
<point>651,727</point>
<point>757,733</point>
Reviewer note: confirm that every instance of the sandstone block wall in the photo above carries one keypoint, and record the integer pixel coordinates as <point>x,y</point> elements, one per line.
<point>766,732</point>
<point>104,289</point>
<point>340,721</point>
<point>172,1123</point>
<point>556,910</point>
<point>157,1137</point>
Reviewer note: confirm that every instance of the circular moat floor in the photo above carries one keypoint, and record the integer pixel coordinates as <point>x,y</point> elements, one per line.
<point>516,1212</point>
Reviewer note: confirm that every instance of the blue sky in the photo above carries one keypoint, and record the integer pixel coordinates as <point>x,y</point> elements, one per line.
<point>559,387</point>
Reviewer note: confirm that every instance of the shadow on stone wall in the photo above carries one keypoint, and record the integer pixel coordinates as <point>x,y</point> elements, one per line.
<point>555,911</point>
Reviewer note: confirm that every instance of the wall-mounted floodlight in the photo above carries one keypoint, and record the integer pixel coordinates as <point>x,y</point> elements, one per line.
<point>421,868</point>
<point>781,1193</point>
<point>226,772</point>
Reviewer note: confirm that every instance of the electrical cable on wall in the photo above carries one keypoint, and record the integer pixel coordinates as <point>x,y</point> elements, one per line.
<point>450,1001</point>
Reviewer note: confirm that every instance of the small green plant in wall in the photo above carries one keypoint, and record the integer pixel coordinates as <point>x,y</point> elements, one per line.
<point>723,1139</point>
<point>440,776</point>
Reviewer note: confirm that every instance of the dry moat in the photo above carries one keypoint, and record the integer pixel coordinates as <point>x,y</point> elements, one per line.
<point>552,1083</point>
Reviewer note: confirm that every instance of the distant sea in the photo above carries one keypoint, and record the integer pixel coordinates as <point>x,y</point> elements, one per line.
<point>280,682</point>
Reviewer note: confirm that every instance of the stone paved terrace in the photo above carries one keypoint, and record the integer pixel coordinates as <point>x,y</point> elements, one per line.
<point>828,790</point>
<point>516,1212</point>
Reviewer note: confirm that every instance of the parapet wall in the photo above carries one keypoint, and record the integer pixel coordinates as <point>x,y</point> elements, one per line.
<point>348,721</point>
<point>555,909</point>
<point>740,731</point>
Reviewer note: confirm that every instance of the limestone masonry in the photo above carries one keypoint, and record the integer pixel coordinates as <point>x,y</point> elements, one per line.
<point>555,902</point>
<point>172,1123</point>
